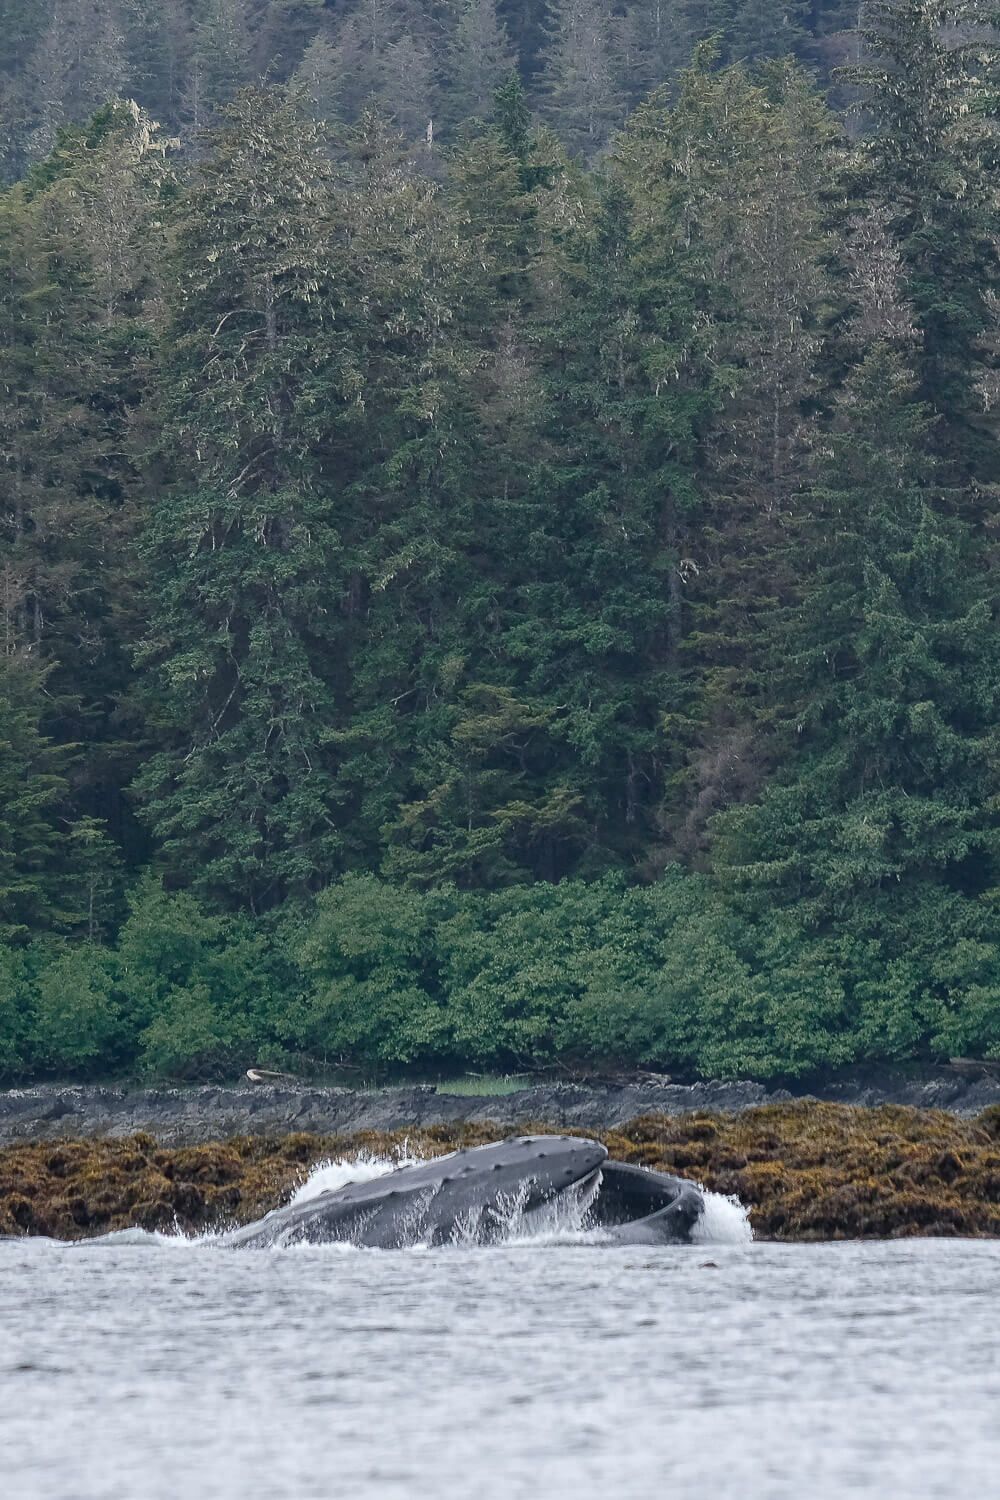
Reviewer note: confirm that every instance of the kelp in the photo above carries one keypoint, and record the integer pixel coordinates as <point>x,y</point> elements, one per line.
<point>810,1171</point>
<point>805,1171</point>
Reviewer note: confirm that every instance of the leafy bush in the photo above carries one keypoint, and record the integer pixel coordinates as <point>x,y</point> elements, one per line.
<point>675,975</point>
<point>204,993</point>
<point>371,955</point>
<point>515,963</point>
<point>77,1023</point>
<point>14,1018</point>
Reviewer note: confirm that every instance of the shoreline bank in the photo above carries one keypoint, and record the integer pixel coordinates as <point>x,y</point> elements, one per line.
<point>195,1115</point>
<point>805,1170</point>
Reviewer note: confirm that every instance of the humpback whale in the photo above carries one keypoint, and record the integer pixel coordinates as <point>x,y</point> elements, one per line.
<point>476,1194</point>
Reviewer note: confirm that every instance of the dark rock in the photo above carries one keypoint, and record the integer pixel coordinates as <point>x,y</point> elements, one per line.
<point>189,1116</point>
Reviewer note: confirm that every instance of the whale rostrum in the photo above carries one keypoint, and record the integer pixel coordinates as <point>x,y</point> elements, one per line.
<point>478,1194</point>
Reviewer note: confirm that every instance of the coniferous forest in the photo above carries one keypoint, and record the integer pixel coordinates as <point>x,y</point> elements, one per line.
<point>498,533</point>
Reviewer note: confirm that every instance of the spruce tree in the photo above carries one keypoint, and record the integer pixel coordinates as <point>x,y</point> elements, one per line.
<point>725,185</point>
<point>80,243</point>
<point>77,65</point>
<point>765,29</point>
<point>242,549</point>
<point>891,679</point>
<point>585,95</point>
<point>159,49</point>
<point>22,23</point>
<point>747,31</point>
<point>408,86</point>
<point>480,59</point>
<point>525,23</point>
<point>320,78</point>
<point>56,873</point>
<point>413,500</point>
<point>657,41</point>
<point>387,56</point>
<point>223,44</point>
<point>763,160</point>
<point>931,160</point>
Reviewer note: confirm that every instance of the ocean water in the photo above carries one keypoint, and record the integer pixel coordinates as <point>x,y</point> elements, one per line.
<point>148,1367</point>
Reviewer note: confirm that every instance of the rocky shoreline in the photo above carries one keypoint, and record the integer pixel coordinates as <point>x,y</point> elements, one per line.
<point>881,1155</point>
<point>805,1170</point>
<point>193,1116</point>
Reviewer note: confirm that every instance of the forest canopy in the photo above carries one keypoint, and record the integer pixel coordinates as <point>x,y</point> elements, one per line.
<point>498,535</point>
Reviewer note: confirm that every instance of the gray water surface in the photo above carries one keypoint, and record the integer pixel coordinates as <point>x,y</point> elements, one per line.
<point>149,1370</point>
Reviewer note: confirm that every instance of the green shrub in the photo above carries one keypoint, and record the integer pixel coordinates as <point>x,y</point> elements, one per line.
<point>675,975</point>
<point>15,1014</point>
<point>77,1023</point>
<point>375,995</point>
<point>203,994</point>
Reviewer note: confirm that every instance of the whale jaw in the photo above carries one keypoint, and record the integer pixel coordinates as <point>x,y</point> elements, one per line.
<point>639,1207</point>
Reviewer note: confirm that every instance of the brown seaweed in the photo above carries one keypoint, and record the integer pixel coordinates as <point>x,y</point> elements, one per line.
<point>805,1170</point>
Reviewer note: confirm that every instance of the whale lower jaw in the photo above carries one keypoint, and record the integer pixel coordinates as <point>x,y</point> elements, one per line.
<point>672,1225</point>
<point>484,1194</point>
<point>637,1206</point>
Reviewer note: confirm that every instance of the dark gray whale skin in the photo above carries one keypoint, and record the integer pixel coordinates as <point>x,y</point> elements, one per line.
<point>640,1207</point>
<point>473,1194</point>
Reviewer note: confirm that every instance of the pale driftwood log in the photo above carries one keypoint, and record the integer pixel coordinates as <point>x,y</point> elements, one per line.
<point>974,1066</point>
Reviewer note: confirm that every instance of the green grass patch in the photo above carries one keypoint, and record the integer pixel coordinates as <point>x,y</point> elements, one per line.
<point>485,1085</point>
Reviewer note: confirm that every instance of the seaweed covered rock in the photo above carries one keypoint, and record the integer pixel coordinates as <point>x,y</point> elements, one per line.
<point>805,1170</point>
<point>811,1171</point>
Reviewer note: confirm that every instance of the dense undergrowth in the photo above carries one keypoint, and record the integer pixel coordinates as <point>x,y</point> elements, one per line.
<point>593,975</point>
<point>806,1171</point>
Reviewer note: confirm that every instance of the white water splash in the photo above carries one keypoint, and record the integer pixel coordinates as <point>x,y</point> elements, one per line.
<point>561,1221</point>
<point>336,1172</point>
<point>328,1176</point>
<point>724,1222</point>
